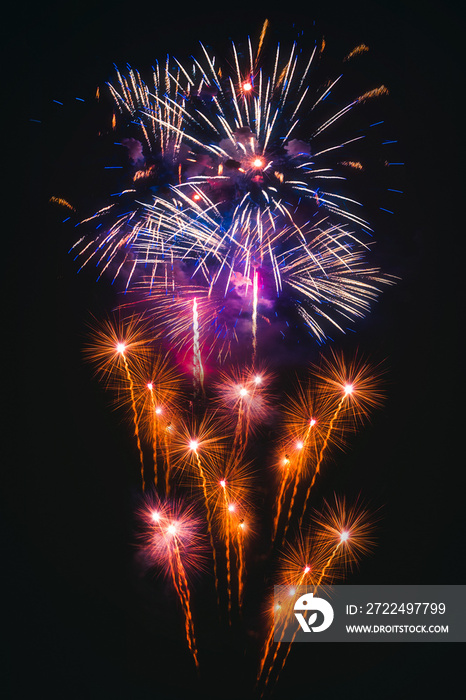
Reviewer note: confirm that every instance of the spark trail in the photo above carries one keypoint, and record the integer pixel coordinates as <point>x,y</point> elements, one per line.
<point>322,452</point>
<point>281,494</point>
<point>229,508</point>
<point>319,582</point>
<point>154,431</point>
<point>302,446</point>
<point>121,350</point>
<point>254,316</point>
<point>198,370</point>
<point>185,596</point>
<point>279,643</point>
<point>240,560</point>
<point>172,545</point>
<point>193,446</point>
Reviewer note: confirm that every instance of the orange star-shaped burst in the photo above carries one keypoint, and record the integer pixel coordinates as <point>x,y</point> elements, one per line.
<point>114,340</point>
<point>353,381</point>
<point>346,531</point>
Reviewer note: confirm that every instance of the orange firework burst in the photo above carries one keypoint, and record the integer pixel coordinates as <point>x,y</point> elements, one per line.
<point>353,387</point>
<point>354,384</point>
<point>246,392</point>
<point>197,443</point>
<point>174,543</point>
<point>197,446</point>
<point>346,531</point>
<point>342,536</point>
<point>244,400</point>
<point>157,381</point>
<point>308,404</point>
<point>113,339</point>
<point>300,564</point>
<point>231,480</point>
<point>112,347</point>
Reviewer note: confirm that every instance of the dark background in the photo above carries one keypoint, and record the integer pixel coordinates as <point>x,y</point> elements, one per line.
<point>81,622</point>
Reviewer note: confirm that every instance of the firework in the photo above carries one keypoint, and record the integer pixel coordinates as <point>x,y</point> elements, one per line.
<point>342,535</point>
<point>197,446</point>
<point>345,529</point>
<point>198,371</point>
<point>319,269</point>
<point>306,416</point>
<point>241,529</point>
<point>255,286</point>
<point>300,563</point>
<point>157,390</point>
<point>353,381</point>
<point>253,210</point>
<point>229,492</point>
<point>238,222</point>
<point>111,339</point>
<point>245,401</point>
<point>242,125</point>
<point>299,461</point>
<point>173,543</point>
<point>109,348</point>
<point>358,386</point>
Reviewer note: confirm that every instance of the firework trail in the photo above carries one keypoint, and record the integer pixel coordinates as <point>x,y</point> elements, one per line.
<point>322,451</point>
<point>189,441</point>
<point>240,437</point>
<point>233,528</point>
<point>239,542</point>
<point>121,350</point>
<point>300,562</point>
<point>155,411</point>
<point>301,446</point>
<point>229,509</point>
<point>165,400</point>
<point>305,418</point>
<point>254,317</point>
<point>284,482</point>
<point>193,446</point>
<point>230,488</point>
<point>110,343</point>
<point>167,459</point>
<point>157,392</point>
<point>198,370</point>
<point>185,597</point>
<point>300,582</point>
<point>359,386</point>
<point>173,543</point>
<point>341,531</point>
<point>243,399</point>
<point>277,614</point>
<point>344,536</point>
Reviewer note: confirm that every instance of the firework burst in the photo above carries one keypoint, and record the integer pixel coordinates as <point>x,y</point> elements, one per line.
<point>342,535</point>
<point>174,544</point>
<point>250,209</point>
<point>239,223</point>
<point>113,346</point>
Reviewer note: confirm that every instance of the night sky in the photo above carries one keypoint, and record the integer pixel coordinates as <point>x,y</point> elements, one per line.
<point>82,621</point>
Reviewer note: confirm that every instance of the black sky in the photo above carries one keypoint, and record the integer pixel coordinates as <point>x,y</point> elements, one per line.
<point>81,622</point>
